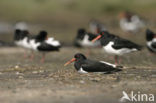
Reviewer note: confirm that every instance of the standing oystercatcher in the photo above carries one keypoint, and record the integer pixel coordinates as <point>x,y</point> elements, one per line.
<point>151,41</point>
<point>84,39</point>
<point>23,39</point>
<point>43,44</point>
<point>130,22</point>
<point>84,65</point>
<point>115,45</point>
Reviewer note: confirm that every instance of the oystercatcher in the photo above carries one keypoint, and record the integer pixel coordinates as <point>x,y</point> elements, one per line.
<point>151,41</point>
<point>115,45</point>
<point>23,39</point>
<point>96,27</point>
<point>84,65</point>
<point>130,22</point>
<point>83,39</point>
<point>43,45</point>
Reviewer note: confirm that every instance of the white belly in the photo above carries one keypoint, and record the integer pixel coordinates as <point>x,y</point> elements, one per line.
<point>86,43</point>
<point>109,49</point>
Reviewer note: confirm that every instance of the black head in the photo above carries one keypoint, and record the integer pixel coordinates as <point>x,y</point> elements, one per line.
<point>41,36</point>
<point>24,34</point>
<point>20,34</point>
<point>80,33</point>
<point>17,34</point>
<point>79,56</point>
<point>149,35</point>
<point>105,34</point>
<point>17,31</point>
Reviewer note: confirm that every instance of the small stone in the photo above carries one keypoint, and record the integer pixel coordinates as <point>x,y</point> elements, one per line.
<point>35,72</point>
<point>82,82</point>
<point>20,77</point>
<point>16,66</point>
<point>41,71</point>
<point>17,73</point>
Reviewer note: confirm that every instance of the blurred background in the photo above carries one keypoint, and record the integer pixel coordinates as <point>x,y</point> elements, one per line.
<point>62,18</point>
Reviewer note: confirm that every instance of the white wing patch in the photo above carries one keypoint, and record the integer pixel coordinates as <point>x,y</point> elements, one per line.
<point>53,42</point>
<point>113,65</point>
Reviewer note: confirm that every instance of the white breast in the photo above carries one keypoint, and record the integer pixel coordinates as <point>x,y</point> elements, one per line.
<point>86,43</point>
<point>34,45</point>
<point>25,43</point>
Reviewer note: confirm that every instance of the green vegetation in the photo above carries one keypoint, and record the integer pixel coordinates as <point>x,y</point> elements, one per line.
<point>41,9</point>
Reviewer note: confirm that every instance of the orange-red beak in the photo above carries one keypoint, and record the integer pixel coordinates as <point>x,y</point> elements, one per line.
<point>98,37</point>
<point>72,60</point>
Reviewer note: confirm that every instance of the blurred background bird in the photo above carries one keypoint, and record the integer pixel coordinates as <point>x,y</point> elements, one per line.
<point>130,22</point>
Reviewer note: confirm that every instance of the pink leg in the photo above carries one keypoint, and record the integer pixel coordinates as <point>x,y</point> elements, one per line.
<point>116,60</point>
<point>32,56</point>
<point>25,55</point>
<point>88,52</point>
<point>43,58</point>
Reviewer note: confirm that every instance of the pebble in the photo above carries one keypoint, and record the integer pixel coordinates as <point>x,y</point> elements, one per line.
<point>35,72</point>
<point>20,77</point>
<point>82,82</point>
<point>16,66</point>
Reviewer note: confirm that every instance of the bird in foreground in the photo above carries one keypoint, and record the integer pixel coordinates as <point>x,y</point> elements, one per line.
<point>84,65</point>
<point>115,45</point>
<point>84,39</point>
<point>151,40</point>
<point>130,22</point>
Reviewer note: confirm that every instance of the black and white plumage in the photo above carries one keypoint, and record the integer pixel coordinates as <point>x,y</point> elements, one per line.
<point>151,41</point>
<point>46,45</point>
<point>130,22</point>
<point>83,39</point>
<point>21,38</point>
<point>115,45</point>
<point>84,65</point>
<point>38,42</point>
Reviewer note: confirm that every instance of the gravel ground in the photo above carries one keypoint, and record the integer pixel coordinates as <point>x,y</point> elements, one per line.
<point>25,81</point>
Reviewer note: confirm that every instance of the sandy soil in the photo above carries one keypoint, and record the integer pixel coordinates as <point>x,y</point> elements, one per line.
<point>25,81</point>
